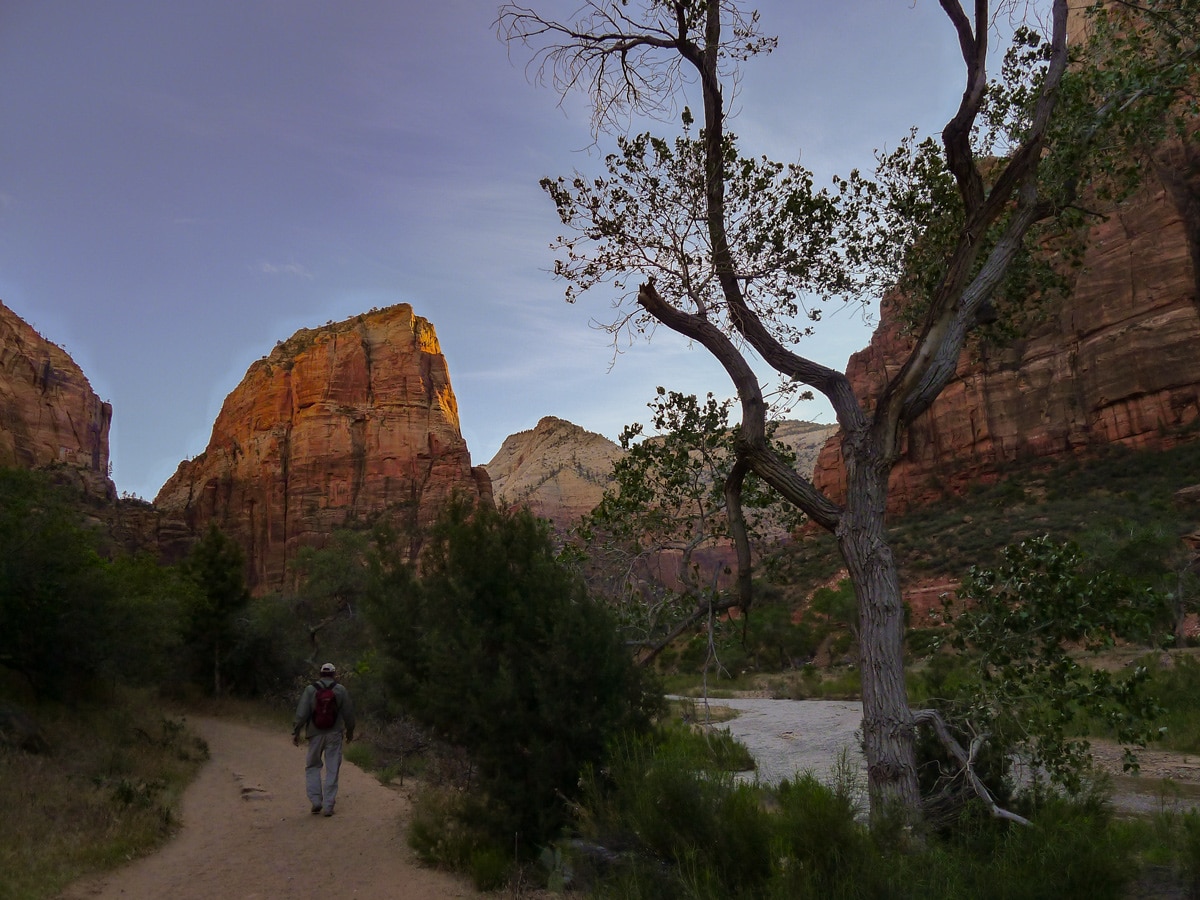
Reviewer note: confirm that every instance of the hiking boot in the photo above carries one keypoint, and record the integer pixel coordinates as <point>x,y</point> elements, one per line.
<point>316,809</point>
<point>328,812</point>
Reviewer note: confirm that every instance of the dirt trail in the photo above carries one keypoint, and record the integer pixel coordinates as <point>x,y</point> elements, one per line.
<point>248,834</point>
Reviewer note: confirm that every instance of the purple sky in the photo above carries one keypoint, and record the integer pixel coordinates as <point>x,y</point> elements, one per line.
<point>185,182</point>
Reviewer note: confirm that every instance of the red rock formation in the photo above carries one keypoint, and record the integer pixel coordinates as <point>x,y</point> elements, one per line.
<point>339,424</point>
<point>49,415</point>
<point>1118,363</point>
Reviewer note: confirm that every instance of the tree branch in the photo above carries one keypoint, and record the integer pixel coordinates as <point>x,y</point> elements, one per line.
<point>960,294</point>
<point>737,530</point>
<point>934,720</point>
<point>701,610</point>
<point>752,441</point>
<point>956,136</point>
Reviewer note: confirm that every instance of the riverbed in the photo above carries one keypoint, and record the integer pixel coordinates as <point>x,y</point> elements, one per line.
<point>791,737</point>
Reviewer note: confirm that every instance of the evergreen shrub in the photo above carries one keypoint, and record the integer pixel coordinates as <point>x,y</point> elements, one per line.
<point>495,644</point>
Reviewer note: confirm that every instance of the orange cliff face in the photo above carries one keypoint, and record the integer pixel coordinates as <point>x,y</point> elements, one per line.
<point>1118,362</point>
<point>49,415</point>
<point>337,426</point>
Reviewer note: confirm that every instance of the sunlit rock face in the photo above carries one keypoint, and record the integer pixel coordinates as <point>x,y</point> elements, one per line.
<point>49,415</point>
<point>560,471</point>
<point>1117,363</point>
<point>337,426</point>
<point>556,469</point>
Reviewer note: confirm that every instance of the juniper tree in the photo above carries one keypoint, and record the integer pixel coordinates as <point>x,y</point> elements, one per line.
<point>217,564</point>
<point>491,640</point>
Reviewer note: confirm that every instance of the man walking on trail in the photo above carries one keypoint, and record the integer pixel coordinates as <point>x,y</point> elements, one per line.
<point>325,713</point>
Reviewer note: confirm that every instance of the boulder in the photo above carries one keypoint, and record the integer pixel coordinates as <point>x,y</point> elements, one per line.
<point>21,731</point>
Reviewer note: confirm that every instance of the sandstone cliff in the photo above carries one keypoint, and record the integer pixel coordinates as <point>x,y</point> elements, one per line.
<point>1118,362</point>
<point>49,415</point>
<point>806,440</point>
<point>557,469</point>
<point>338,425</point>
<point>560,471</point>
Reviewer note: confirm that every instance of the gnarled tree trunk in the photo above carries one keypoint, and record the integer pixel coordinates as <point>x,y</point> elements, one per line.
<point>888,730</point>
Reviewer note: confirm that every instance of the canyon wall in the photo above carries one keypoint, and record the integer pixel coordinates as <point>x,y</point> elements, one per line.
<point>337,426</point>
<point>1117,362</point>
<point>49,415</point>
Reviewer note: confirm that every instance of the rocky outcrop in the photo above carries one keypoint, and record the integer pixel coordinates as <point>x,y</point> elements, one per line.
<point>337,426</point>
<point>557,469</point>
<point>1118,361</point>
<point>49,415</point>
<point>560,471</point>
<point>806,440</point>
<point>135,526</point>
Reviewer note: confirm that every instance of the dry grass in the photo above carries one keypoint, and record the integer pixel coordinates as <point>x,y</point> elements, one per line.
<point>107,792</point>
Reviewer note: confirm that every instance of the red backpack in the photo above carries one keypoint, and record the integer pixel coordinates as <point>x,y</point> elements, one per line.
<point>325,708</point>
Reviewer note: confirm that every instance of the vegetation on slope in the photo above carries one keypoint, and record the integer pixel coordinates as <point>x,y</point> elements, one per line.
<point>1111,502</point>
<point>103,789</point>
<point>116,625</point>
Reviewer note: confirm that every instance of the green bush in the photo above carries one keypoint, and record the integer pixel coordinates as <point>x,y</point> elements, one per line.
<point>657,821</point>
<point>831,684</point>
<point>773,641</point>
<point>74,619</point>
<point>489,868</point>
<point>439,830</point>
<point>820,848</point>
<point>496,645</point>
<point>262,659</point>
<point>217,564</point>
<point>1019,628</point>
<point>53,594</point>
<point>921,641</point>
<point>666,796</point>
<point>145,614</point>
<point>1073,850</point>
<point>1175,688</point>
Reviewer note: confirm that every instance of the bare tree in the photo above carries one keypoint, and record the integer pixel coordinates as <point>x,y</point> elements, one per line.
<point>737,253</point>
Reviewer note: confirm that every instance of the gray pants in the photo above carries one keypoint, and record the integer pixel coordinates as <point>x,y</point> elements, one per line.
<point>329,745</point>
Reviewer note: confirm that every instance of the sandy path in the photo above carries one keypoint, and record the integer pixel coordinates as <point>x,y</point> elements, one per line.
<point>248,835</point>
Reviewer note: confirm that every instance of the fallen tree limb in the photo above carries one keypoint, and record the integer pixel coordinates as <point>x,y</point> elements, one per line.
<point>966,762</point>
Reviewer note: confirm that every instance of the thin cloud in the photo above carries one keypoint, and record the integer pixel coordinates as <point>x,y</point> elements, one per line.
<point>269,268</point>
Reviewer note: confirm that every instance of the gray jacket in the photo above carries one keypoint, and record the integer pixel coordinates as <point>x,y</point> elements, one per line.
<point>345,716</point>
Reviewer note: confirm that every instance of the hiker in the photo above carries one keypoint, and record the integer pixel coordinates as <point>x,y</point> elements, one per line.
<point>325,712</point>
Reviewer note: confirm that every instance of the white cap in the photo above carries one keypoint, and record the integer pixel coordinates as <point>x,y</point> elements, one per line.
<point>328,669</point>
